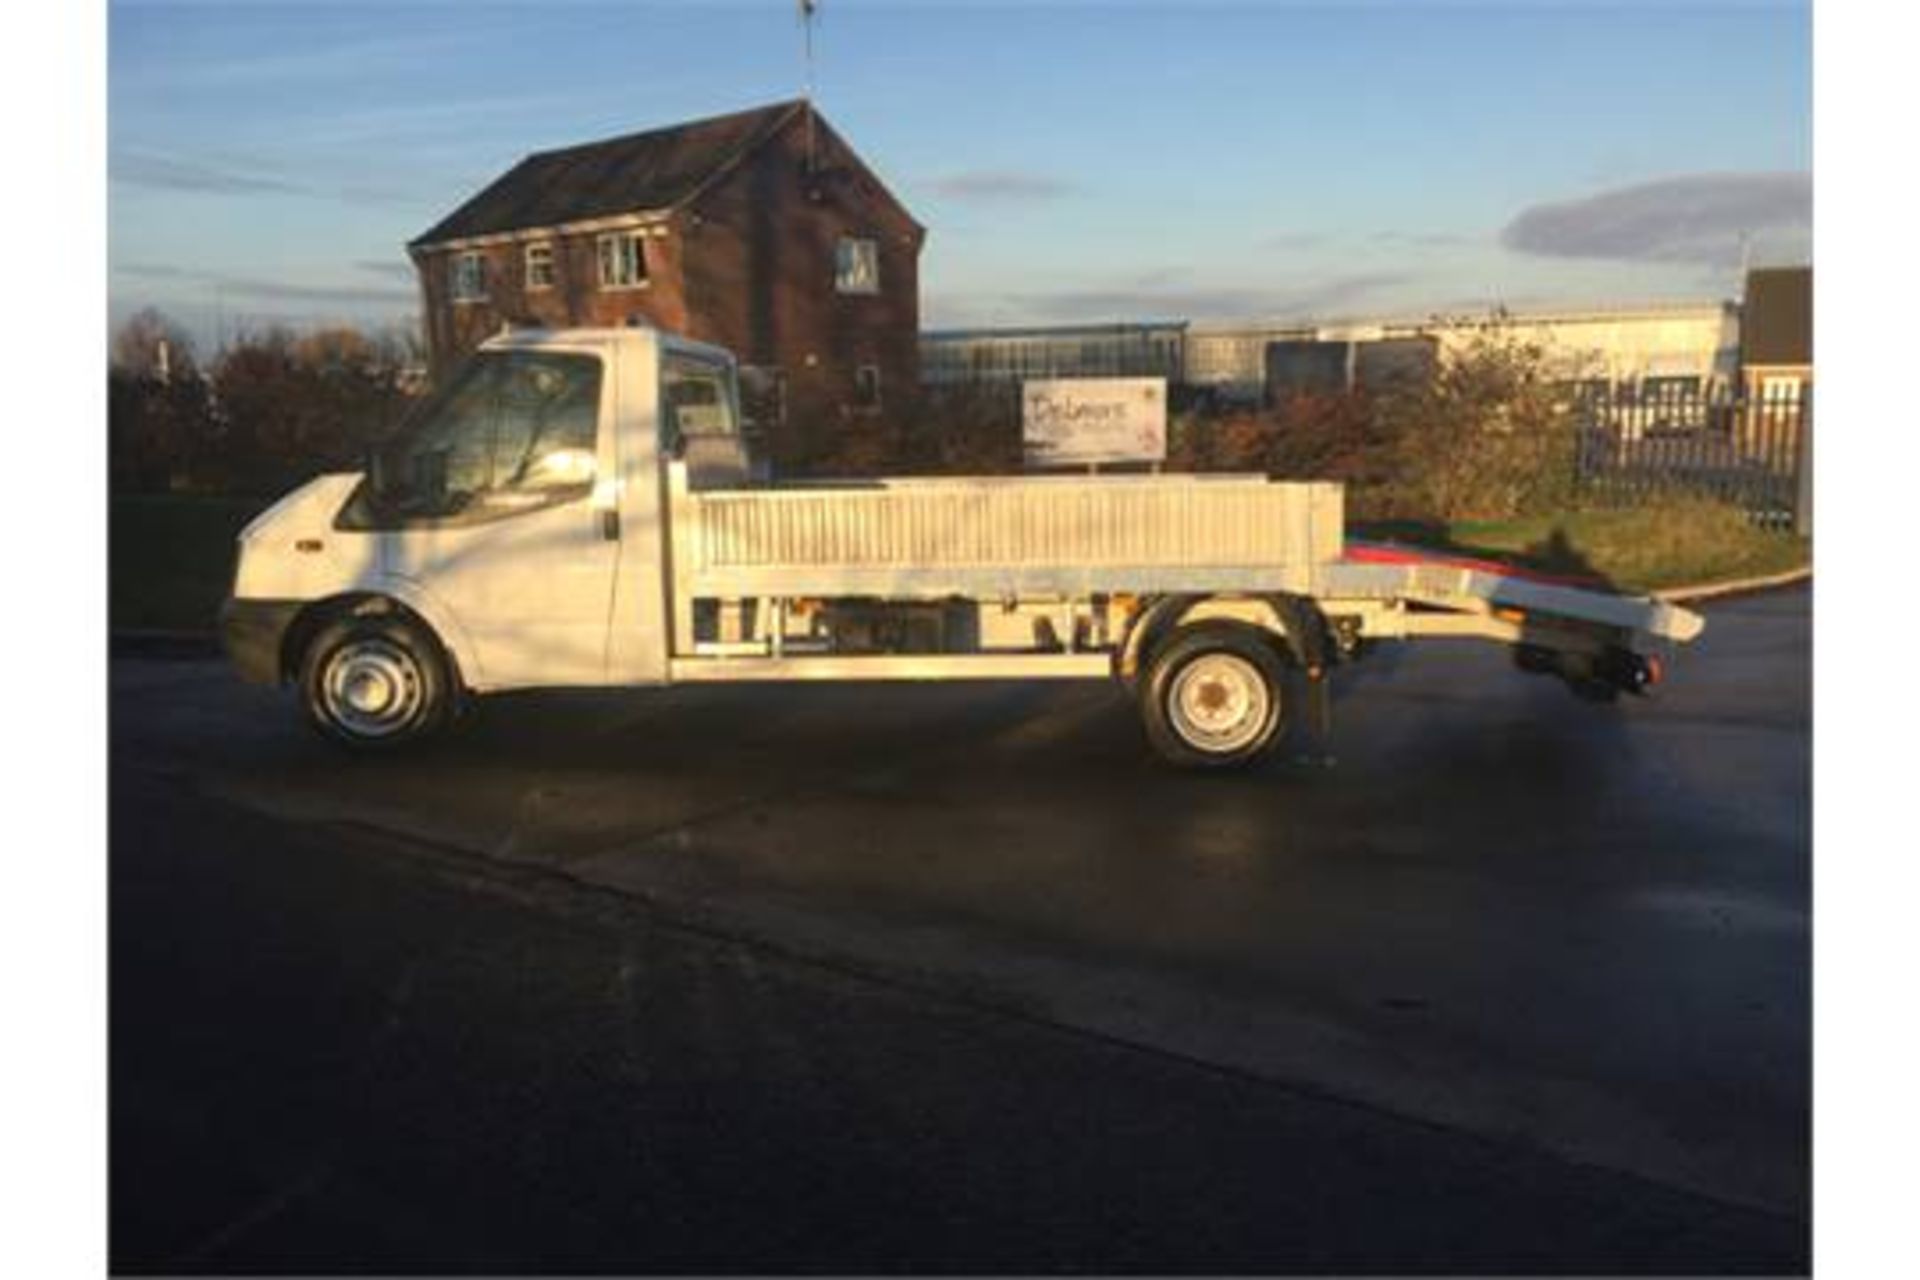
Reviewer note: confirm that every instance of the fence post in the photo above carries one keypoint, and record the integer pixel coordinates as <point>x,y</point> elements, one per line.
<point>1803,467</point>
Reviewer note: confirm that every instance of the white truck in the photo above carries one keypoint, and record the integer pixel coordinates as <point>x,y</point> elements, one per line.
<point>581,508</point>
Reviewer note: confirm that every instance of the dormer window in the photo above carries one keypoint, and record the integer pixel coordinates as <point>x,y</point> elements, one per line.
<point>623,260</point>
<point>469,283</point>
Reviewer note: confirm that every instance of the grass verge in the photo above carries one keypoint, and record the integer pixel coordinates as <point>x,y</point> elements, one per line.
<point>1674,544</point>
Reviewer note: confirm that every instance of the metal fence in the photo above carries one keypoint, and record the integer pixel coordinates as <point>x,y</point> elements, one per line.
<point>1753,451</point>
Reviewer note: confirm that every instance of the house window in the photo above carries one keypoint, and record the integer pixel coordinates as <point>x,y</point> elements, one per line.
<point>539,266</point>
<point>623,260</point>
<point>469,277</point>
<point>1775,389</point>
<point>866,387</point>
<point>856,266</point>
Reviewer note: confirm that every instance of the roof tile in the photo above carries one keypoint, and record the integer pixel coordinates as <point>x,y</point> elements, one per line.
<point>657,169</point>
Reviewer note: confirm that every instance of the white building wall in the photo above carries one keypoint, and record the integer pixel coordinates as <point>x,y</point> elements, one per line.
<point>1627,346</point>
<point>1620,345</point>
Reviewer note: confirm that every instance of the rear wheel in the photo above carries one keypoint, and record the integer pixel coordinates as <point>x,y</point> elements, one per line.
<point>1213,697</point>
<point>375,682</point>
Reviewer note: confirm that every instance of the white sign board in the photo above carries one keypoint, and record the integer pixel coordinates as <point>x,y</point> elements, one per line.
<point>1082,421</point>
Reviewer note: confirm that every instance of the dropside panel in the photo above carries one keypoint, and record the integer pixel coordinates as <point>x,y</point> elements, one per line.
<point>987,536</point>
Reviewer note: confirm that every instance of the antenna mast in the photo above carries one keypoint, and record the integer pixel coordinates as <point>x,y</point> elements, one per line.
<point>807,9</point>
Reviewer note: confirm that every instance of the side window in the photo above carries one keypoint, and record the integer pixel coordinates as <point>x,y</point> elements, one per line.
<point>549,414</point>
<point>514,431</point>
<point>697,399</point>
<point>469,282</point>
<point>856,265</point>
<point>866,387</point>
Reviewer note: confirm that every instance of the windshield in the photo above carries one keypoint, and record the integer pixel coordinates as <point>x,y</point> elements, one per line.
<point>512,430</point>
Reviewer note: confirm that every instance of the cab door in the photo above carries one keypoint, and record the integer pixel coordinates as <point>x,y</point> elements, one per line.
<point>487,505</point>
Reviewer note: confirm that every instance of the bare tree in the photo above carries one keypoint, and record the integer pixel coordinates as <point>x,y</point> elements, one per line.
<point>151,345</point>
<point>159,419</point>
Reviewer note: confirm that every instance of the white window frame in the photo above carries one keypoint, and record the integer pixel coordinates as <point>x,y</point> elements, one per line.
<point>848,255</point>
<point>527,259</point>
<point>465,287</point>
<point>638,239</point>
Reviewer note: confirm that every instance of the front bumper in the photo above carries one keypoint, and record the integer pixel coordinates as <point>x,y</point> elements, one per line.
<point>253,632</point>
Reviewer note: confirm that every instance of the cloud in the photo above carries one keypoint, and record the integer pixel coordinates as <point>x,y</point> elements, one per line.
<point>313,60</point>
<point>1421,239</point>
<point>1290,241</point>
<point>237,176</point>
<point>242,288</point>
<point>154,271</point>
<point>1340,292</point>
<point>1137,300</point>
<point>1286,240</point>
<point>172,173</point>
<point>1698,218</point>
<point>393,269</point>
<point>1000,185</point>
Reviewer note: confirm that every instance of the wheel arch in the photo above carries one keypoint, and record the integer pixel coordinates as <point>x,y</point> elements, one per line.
<point>311,620</point>
<point>1294,624</point>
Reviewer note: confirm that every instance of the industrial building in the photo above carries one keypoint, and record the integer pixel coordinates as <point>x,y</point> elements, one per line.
<point>1688,347</point>
<point>962,357</point>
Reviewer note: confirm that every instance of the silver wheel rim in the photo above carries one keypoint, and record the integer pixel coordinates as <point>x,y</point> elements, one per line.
<point>1219,703</point>
<point>372,688</point>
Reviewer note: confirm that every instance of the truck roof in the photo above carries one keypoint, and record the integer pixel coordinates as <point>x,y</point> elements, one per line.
<point>622,335</point>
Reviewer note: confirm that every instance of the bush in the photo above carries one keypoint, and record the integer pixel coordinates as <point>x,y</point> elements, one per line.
<point>1308,436</point>
<point>968,430</point>
<point>160,431</point>
<point>273,410</point>
<point>1487,437</point>
<point>291,407</point>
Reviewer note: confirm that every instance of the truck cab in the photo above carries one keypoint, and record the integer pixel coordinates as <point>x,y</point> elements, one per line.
<point>515,511</point>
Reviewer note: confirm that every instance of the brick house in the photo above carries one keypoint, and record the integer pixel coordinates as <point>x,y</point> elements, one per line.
<point>761,231</point>
<point>1776,333</point>
<point>1776,360</point>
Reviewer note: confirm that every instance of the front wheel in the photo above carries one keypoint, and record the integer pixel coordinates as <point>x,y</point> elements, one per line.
<point>1212,697</point>
<point>375,682</point>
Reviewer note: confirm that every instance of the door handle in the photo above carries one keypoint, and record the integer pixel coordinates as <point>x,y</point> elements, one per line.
<point>610,524</point>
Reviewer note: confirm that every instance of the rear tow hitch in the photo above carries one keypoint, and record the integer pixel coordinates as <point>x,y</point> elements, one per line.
<point>1597,677</point>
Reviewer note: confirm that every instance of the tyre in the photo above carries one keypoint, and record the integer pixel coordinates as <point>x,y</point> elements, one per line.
<point>1213,697</point>
<point>375,682</point>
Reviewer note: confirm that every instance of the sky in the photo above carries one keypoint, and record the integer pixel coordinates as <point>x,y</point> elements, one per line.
<point>1073,160</point>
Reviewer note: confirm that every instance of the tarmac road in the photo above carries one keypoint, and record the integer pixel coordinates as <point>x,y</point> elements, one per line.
<point>1519,982</point>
